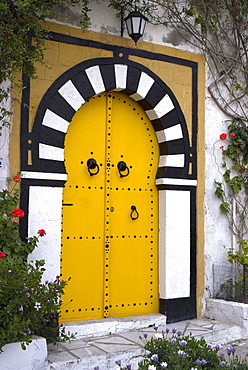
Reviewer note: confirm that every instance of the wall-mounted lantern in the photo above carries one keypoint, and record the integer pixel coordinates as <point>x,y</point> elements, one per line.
<point>135,23</point>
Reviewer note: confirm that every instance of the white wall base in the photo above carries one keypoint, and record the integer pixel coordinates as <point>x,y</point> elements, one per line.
<point>34,357</point>
<point>227,311</point>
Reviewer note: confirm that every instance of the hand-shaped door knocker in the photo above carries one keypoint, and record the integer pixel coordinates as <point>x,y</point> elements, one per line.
<point>92,165</point>
<point>134,213</point>
<point>123,169</point>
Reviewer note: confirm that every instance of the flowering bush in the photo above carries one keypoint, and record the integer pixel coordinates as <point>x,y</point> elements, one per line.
<point>172,351</point>
<point>27,306</point>
<point>10,241</point>
<point>232,192</point>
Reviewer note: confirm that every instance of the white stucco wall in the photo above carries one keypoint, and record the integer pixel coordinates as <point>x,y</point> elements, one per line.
<point>45,213</point>
<point>4,142</point>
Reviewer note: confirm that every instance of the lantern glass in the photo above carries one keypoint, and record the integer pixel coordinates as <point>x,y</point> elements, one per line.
<point>136,24</point>
<point>129,25</point>
<point>142,26</point>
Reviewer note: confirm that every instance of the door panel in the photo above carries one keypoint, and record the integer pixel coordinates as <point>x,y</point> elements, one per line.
<point>109,250</point>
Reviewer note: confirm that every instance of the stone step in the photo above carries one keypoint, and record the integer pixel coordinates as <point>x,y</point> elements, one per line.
<point>102,327</point>
<point>123,340</point>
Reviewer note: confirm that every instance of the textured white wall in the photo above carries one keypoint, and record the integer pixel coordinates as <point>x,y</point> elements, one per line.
<point>218,237</point>
<point>4,142</point>
<point>174,240</point>
<point>45,206</point>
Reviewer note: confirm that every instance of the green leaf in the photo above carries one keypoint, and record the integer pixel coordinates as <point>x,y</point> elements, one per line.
<point>225,207</point>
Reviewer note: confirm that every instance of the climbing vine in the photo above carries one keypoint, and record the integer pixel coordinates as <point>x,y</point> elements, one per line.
<point>233,192</point>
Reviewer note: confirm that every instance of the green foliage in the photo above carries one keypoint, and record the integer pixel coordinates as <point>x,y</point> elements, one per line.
<point>10,241</point>
<point>28,307</point>
<point>23,36</point>
<point>235,189</point>
<point>235,178</point>
<point>225,207</point>
<point>219,192</point>
<point>176,352</point>
<point>240,257</point>
<point>22,33</point>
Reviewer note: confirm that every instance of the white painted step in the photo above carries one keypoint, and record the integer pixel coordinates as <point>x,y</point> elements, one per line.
<point>96,328</point>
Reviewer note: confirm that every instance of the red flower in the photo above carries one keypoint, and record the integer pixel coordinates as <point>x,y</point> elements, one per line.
<point>18,213</point>
<point>223,136</point>
<point>17,179</point>
<point>222,147</point>
<point>2,254</point>
<point>232,134</point>
<point>41,232</point>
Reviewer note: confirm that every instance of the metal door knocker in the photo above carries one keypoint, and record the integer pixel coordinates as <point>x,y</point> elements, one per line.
<point>134,214</point>
<point>122,167</point>
<point>92,165</point>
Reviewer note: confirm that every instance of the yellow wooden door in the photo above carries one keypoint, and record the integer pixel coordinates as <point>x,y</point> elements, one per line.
<point>110,211</point>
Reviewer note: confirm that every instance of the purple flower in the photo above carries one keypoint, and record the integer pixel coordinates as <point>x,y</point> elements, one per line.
<point>155,327</point>
<point>183,343</point>
<point>174,331</point>
<point>222,364</point>
<point>173,341</point>
<point>179,333</point>
<point>198,362</point>
<point>145,335</point>
<point>203,362</point>
<point>29,332</point>
<point>181,353</point>
<point>228,351</point>
<point>128,367</point>
<point>27,295</point>
<point>9,272</point>
<point>221,354</point>
<point>154,357</point>
<point>167,330</point>
<point>96,368</point>
<point>217,347</point>
<point>24,334</point>
<point>233,349</point>
<point>21,309</point>
<point>118,362</point>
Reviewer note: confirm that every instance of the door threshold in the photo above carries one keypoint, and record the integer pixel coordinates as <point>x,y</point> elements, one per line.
<point>101,327</point>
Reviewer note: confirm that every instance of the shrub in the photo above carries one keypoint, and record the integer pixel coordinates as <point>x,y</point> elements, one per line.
<point>27,306</point>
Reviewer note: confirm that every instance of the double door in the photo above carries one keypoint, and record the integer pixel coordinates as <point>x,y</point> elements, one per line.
<point>110,211</point>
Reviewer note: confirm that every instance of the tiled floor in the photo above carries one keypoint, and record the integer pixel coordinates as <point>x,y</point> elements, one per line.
<point>87,352</point>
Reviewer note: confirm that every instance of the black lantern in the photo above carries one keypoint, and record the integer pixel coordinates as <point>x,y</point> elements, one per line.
<point>135,23</point>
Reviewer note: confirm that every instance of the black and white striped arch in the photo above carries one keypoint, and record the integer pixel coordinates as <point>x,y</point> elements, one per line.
<point>70,91</point>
